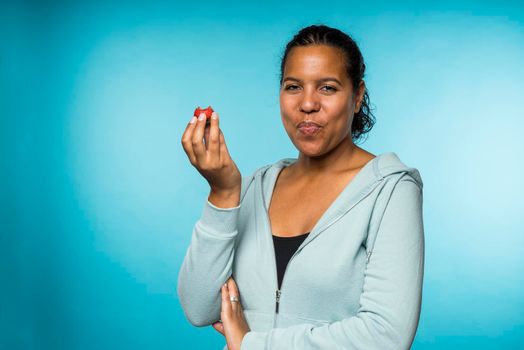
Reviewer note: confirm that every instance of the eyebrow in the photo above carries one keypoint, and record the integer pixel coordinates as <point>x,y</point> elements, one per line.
<point>319,81</point>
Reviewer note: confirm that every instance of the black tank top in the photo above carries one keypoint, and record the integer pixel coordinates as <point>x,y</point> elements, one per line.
<point>285,247</point>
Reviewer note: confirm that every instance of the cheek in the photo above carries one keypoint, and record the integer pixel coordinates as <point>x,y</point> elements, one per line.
<point>342,104</point>
<point>286,102</point>
<point>343,109</point>
<point>286,108</point>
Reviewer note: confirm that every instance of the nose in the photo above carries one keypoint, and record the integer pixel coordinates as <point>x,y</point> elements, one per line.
<point>310,102</point>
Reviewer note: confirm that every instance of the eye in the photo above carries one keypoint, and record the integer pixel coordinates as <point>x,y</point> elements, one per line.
<point>329,88</point>
<point>290,87</point>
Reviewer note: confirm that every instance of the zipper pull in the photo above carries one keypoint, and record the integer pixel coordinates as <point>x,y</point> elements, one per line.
<point>278,300</point>
<point>369,255</point>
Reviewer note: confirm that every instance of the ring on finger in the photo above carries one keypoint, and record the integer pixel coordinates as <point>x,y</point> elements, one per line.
<point>233,299</point>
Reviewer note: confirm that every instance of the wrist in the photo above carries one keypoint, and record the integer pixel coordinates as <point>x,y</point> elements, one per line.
<point>225,198</point>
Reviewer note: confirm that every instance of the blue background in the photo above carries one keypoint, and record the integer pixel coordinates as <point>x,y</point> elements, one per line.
<point>98,199</point>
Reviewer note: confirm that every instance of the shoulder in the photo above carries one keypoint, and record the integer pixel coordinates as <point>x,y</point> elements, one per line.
<point>390,167</point>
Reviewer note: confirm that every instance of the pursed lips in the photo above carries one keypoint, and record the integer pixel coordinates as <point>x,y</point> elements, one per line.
<point>308,124</point>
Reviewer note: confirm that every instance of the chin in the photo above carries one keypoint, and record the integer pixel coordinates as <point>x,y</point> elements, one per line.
<point>311,151</point>
<point>313,147</point>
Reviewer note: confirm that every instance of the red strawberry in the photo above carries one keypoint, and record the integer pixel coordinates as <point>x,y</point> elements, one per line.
<point>208,111</point>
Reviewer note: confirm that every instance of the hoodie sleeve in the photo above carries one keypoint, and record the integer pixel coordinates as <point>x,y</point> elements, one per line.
<point>392,292</point>
<point>207,264</point>
<point>209,260</point>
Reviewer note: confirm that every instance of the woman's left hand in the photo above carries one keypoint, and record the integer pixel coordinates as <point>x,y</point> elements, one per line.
<point>233,324</point>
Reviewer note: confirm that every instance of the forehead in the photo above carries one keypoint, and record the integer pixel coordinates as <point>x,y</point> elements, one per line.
<point>314,61</point>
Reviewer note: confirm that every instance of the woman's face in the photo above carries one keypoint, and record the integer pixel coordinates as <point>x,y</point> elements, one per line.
<point>316,89</point>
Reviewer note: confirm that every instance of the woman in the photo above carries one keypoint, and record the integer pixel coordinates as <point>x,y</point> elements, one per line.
<point>321,252</point>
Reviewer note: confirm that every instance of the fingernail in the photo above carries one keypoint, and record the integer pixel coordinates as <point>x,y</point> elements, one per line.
<point>213,115</point>
<point>193,120</point>
<point>202,116</point>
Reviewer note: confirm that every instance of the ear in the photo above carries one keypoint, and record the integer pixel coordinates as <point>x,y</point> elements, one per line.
<point>360,95</point>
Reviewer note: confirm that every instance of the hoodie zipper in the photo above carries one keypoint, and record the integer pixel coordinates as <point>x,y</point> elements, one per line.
<point>278,291</point>
<point>277,300</point>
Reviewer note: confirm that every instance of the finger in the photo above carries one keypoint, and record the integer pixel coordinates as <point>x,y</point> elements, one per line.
<point>219,327</point>
<point>214,137</point>
<point>232,286</point>
<point>226,303</point>
<point>206,137</point>
<point>224,152</point>
<point>233,292</point>
<point>186,140</point>
<point>197,138</point>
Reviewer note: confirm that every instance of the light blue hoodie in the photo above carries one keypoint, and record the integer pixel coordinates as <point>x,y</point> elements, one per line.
<point>354,283</point>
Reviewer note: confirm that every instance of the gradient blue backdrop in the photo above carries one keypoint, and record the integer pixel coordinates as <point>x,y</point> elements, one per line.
<point>98,199</point>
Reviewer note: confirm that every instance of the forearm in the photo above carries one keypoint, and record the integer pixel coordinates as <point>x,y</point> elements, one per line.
<point>207,264</point>
<point>363,332</point>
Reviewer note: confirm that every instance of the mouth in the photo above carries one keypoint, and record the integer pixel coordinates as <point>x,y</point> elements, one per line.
<point>309,129</point>
<point>308,124</point>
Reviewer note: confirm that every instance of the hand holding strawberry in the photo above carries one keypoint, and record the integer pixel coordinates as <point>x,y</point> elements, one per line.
<point>207,151</point>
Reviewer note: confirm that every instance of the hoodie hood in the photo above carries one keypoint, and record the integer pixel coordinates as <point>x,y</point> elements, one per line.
<point>376,172</point>
<point>378,168</point>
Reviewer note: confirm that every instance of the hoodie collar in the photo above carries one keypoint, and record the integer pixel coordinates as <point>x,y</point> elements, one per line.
<point>376,169</point>
<point>373,172</point>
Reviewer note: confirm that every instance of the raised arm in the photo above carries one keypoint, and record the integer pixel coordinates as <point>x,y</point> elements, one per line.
<point>392,292</point>
<point>209,258</point>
